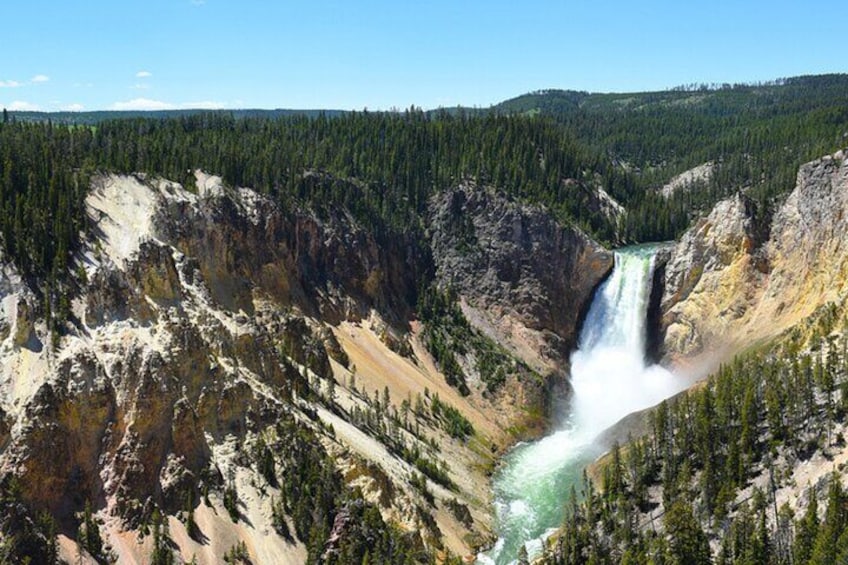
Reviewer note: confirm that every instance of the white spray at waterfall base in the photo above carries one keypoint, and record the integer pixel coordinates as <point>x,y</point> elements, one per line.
<point>610,379</point>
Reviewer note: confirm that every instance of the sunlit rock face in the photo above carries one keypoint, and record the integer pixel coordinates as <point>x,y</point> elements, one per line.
<point>529,276</point>
<point>200,318</point>
<point>732,279</point>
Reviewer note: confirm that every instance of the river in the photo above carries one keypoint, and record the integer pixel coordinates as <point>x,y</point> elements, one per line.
<point>610,378</point>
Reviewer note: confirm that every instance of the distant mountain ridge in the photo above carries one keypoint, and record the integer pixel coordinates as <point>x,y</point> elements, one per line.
<point>548,101</point>
<point>556,101</point>
<point>96,116</point>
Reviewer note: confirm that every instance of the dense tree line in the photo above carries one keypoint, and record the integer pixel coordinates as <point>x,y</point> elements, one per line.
<point>627,144</point>
<point>399,160</point>
<point>755,135</point>
<point>664,497</point>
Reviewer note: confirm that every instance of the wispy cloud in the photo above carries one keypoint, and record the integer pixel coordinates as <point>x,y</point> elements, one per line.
<point>37,79</point>
<point>141,86</point>
<point>73,108</point>
<point>203,105</point>
<point>143,74</point>
<point>147,104</point>
<point>21,106</point>
<point>198,2</point>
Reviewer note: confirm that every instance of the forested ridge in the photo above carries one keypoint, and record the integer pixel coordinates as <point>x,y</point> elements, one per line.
<point>699,474</point>
<point>381,168</point>
<point>756,135</point>
<point>627,144</point>
<point>398,161</point>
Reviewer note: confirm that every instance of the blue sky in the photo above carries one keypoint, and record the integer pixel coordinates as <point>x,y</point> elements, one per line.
<point>155,54</point>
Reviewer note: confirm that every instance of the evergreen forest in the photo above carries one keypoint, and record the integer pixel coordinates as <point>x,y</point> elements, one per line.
<point>698,487</point>
<point>702,484</point>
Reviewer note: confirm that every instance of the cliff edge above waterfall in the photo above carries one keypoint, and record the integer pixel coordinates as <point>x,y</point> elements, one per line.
<point>522,275</point>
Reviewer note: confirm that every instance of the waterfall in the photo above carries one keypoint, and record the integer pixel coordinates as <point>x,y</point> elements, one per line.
<point>610,379</point>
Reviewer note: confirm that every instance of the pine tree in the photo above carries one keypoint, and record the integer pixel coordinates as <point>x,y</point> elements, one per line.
<point>824,549</point>
<point>162,554</point>
<point>688,544</point>
<point>88,534</point>
<point>807,530</point>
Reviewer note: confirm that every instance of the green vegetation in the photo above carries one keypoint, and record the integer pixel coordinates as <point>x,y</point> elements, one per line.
<point>88,534</point>
<point>313,494</point>
<point>231,500</point>
<point>460,512</point>
<point>447,333</point>
<point>757,135</point>
<point>96,117</point>
<point>402,435</point>
<point>453,422</point>
<point>398,160</point>
<point>754,421</point>
<point>24,536</point>
<point>383,167</point>
<point>163,554</point>
<point>553,148</point>
<point>238,555</point>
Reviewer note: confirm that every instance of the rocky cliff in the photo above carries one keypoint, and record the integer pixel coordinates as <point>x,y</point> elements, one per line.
<point>730,282</point>
<point>209,330</point>
<point>525,277</point>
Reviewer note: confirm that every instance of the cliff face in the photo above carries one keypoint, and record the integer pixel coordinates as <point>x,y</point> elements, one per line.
<point>727,284</point>
<point>204,320</point>
<point>525,277</point>
<point>331,268</point>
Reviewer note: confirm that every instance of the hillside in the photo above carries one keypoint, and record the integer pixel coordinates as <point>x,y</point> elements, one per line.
<point>310,336</point>
<point>247,376</point>
<point>625,146</point>
<point>756,136</point>
<point>747,467</point>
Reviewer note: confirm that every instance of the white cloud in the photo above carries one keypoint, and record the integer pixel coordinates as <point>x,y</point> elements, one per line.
<point>37,79</point>
<point>143,74</point>
<point>141,86</point>
<point>73,108</point>
<point>144,104</point>
<point>20,106</point>
<point>203,105</point>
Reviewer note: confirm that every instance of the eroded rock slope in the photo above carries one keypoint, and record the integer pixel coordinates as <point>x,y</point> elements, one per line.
<point>215,339</point>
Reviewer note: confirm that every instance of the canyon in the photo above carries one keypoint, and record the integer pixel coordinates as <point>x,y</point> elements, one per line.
<point>258,360</point>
